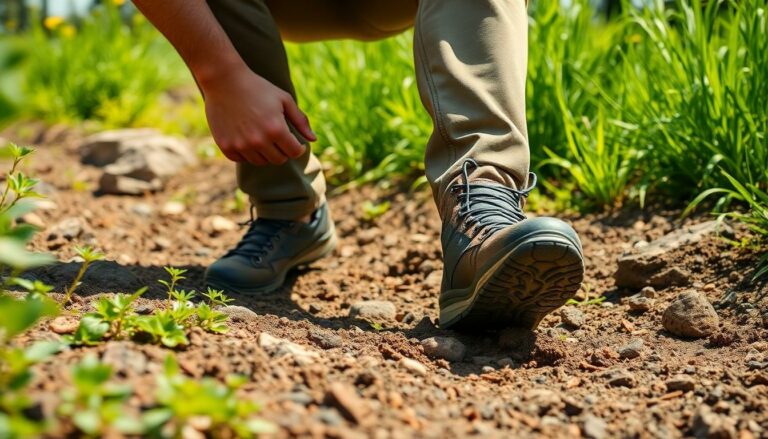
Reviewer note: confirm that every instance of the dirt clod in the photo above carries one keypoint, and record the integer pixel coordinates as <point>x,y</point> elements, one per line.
<point>691,315</point>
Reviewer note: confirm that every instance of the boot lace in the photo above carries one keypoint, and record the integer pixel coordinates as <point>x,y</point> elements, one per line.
<point>486,208</point>
<point>260,237</point>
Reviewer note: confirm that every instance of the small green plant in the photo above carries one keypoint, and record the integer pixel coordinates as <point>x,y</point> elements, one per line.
<point>94,405</point>
<point>18,185</point>
<point>115,318</point>
<point>177,274</point>
<point>16,317</point>
<point>162,327</point>
<point>372,211</point>
<point>181,399</point>
<point>217,297</point>
<point>89,256</point>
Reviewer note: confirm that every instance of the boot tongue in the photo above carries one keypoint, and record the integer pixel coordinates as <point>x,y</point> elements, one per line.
<point>492,174</point>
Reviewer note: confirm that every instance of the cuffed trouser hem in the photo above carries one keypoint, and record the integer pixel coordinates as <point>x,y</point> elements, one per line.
<point>287,210</point>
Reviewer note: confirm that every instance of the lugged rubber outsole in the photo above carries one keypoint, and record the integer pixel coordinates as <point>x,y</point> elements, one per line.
<point>535,278</point>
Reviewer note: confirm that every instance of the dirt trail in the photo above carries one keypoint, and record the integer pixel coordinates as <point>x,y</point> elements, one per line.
<point>608,372</point>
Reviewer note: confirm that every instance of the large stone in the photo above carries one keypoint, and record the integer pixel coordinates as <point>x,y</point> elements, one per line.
<point>135,160</point>
<point>691,315</point>
<point>444,347</point>
<point>373,310</point>
<point>650,266</point>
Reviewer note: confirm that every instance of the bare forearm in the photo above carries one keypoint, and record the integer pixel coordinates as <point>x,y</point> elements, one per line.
<point>196,34</point>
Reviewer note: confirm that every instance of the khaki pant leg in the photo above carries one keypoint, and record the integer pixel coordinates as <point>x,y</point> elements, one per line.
<point>471,58</point>
<point>296,188</point>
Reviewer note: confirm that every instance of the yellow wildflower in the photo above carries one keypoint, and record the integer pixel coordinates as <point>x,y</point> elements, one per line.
<point>52,22</point>
<point>118,2</point>
<point>68,31</point>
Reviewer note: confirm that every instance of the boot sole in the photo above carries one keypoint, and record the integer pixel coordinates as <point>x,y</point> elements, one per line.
<point>540,274</point>
<point>319,252</point>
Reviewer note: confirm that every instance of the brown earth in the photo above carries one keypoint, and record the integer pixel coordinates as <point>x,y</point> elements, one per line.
<point>560,380</point>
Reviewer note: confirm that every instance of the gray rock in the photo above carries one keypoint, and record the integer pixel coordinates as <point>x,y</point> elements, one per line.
<point>650,265</point>
<point>639,303</point>
<point>135,156</point>
<point>412,366</point>
<point>621,379</point>
<point>691,315</point>
<point>142,209</point>
<point>709,425</point>
<point>633,349</point>
<point>594,427</point>
<point>680,382</point>
<point>444,347</point>
<point>278,347</point>
<point>239,313</point>
<point>373,310</point>
<point>573,316</point>
<point>122,185</point>
<point>648,292</point>
<point>68,228</point>
<point>124,358</point>
<point>325,339</point>
<point>329,417</point>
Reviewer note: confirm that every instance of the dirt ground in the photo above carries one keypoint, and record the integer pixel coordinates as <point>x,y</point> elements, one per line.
<point>594,370</point>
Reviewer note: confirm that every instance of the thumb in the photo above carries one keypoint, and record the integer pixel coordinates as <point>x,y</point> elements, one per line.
<point>298,119</point>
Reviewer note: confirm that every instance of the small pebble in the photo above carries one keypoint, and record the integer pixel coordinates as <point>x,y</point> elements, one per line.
<point>412,366</point>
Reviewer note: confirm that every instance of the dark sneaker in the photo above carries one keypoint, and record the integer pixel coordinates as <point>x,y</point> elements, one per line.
<point>269,250</point>
<point>502,269</point>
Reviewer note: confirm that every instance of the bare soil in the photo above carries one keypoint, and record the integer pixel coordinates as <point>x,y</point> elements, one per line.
<point>560,380</point>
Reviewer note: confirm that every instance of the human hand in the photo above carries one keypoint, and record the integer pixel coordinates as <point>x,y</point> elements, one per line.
<point>249,118</point>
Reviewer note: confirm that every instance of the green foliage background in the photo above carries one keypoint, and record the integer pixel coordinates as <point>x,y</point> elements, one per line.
<point>663,103</point>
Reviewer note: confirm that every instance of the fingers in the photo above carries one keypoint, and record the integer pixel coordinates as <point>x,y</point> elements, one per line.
<point>297,118</point>
<point>289,145</point>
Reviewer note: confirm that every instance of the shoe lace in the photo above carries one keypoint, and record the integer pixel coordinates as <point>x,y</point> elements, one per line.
<point>489,207</point>
<point>260,237</point>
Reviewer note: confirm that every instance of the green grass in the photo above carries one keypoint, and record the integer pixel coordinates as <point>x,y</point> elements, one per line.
<point>105,69</point>
<point>364,105</point>
<point>664,103</point>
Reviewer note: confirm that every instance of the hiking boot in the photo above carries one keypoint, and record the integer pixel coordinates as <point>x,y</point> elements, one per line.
<point>502,269</point>
<point>269,250</point>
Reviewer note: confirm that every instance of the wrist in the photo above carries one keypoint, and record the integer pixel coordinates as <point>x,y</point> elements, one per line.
<point>212,70</point>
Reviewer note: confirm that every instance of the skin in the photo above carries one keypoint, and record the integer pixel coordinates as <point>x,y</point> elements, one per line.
<point>246,113</point>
